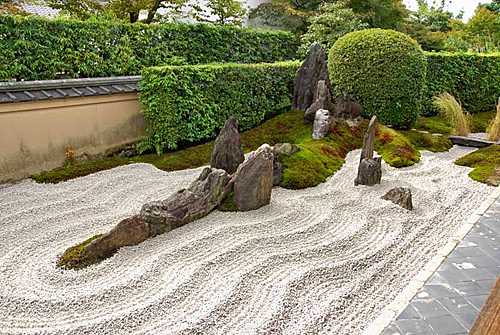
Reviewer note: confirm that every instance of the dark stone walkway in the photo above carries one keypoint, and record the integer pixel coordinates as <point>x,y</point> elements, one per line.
<point>453,296</point>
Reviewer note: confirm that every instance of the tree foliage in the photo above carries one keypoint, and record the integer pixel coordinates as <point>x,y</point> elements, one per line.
<point>333,21</point>
<point>220,12</point>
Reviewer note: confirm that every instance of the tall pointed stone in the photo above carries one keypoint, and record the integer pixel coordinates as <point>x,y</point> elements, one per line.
<point>228,151</point>
<point>322,100</point>
<point>312,70</point>
<point>322,124</point>
<point>370,169</point>
<point>369,140</point>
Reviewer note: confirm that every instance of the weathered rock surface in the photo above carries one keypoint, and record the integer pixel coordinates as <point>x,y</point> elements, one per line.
<point>400,196</point>
<point>286,149</point>
<point>253,181</point>
<point>370,169</point>
<point>186,205</point>
<point>369,172</point>
<point>130,231</point>
<point>347,108</point>
<point>369,140</point>
<point>322,124</point>
<point>306,79</point>
<point>228,151</point>
<point>322,100</point>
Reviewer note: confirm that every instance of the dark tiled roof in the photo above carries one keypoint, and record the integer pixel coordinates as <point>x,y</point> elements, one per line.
<point>66,88</point>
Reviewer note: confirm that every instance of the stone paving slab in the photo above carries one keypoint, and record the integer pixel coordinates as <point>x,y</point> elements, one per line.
<point>446,297</point>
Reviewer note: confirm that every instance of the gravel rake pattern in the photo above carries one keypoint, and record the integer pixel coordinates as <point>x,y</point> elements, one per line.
<point>316,261</point>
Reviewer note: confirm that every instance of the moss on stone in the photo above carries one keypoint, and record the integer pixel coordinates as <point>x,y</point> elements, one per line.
<point>228,205</point>
<point>73,258</point>
<point>486,164</point>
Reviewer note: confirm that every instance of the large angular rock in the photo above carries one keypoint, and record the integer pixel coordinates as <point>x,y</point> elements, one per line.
<point>306,79</point>
<point>253,181</point>
<point>322,124</point>
<point>400,196</point>
<point>228,152</point>
<point>186,205</point>
<point>285,149</point>
<point>370,169</point>
<point>347,108</point>
<point>130,231</point>
<point>322,100</point>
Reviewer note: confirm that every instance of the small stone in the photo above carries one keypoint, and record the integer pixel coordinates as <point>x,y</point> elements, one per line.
<point>400,196</point>
<point>285,149</point>
<point>307,77</point>
<point>322,100</point>
<point>322,124</point>
<point>253,181</point>
<point>130,231</point>
<point>228,151</point>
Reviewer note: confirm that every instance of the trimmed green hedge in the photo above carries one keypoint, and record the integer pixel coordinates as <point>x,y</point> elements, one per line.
<point>38,49</point>
<point>474,79</point>
<point>382,69</point>
<point>192,102</point>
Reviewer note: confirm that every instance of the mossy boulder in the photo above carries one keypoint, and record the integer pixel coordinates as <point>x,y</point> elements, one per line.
<point>383,70</point>
<point>486,164</point>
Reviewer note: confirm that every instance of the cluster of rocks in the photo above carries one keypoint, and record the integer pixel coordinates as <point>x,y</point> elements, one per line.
<point>250,181</point>
<point>312,93</point>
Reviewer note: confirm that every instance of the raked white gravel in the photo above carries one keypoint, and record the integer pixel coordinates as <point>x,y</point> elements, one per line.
<point>324,260</point>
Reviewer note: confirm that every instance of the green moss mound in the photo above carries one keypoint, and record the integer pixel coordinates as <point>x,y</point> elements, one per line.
<point>486,164</point>
<point>433,143</point>
<point>383,70</point>
<point>73,257</point>
<point>317,160</point>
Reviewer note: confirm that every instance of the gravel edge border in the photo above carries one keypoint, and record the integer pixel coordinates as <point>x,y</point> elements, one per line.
<point>390,312</point>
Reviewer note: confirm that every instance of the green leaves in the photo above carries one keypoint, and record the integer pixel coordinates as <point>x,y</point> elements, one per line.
<point>191,103</point>
<point>38,49</point>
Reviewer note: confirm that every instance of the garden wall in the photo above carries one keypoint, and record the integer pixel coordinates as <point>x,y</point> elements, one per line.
<point>191,103</point>
<point>34,135</point>
<point>40,49</point>
<point>474,79</point>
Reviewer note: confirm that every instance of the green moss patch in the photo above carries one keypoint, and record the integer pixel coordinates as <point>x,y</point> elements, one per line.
<point>395,149</point>
<point>317,160</point>
<point>486,164</point>
<point>439,125</point>
<point>73,258</point>
<point>228,205</point>
<point>428,142</point>
<point>481,121</point>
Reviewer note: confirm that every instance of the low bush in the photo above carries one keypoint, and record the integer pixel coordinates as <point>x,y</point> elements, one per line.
<point>383,70</point>
<point>453,112</point>
<point>191,103</point>
<point>40,49</point>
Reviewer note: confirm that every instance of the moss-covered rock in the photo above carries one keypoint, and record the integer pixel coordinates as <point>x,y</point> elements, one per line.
<point>74,258</point>
<point>395,149</point>
<point>486,164</point>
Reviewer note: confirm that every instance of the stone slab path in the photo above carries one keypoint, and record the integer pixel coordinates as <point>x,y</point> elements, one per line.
<point>452,297</point>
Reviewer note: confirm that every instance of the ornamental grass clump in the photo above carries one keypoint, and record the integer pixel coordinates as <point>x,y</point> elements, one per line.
<point>452,110</point>
<point>493,130</point>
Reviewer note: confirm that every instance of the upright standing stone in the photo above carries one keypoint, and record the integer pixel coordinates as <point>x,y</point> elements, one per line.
<point>369,140</point>
<point>228,152</point>
<point>322,100</point>
<point>186,205</point>
<point>370,169</point>
<point>322,124</point>
<point>253,181</point>
<point>312,70</point>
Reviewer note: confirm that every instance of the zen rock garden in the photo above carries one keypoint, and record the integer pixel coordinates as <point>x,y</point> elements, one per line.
<point>250,181</point>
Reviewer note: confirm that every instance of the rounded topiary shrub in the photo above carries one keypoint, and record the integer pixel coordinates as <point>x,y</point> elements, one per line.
<point>383,70</point>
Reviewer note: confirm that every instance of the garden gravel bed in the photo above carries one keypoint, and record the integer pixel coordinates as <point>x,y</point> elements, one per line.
<point>323,260</point>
